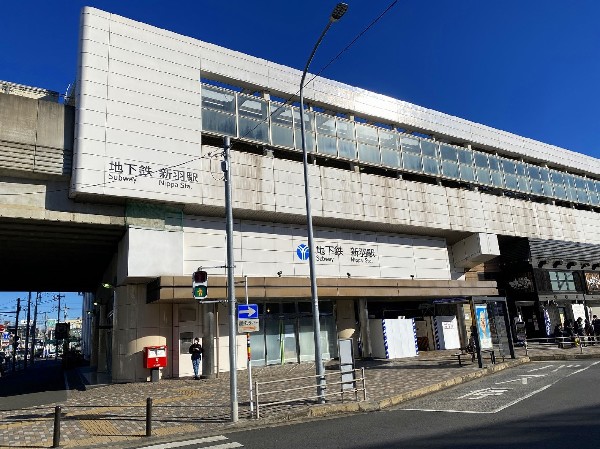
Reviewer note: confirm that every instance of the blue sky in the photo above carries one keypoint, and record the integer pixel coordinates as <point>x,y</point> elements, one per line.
<point>528,67</point>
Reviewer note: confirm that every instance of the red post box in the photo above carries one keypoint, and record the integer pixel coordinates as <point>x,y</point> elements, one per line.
<point>155,357</point>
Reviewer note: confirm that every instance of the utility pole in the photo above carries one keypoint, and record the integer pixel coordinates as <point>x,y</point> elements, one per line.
<point>27,330</point>
<point>226,167</point>
<point>57,321</point>
<point>34,328</point>
<point>16,336</point>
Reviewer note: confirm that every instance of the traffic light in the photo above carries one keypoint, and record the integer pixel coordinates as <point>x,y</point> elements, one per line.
<point>200,284</point>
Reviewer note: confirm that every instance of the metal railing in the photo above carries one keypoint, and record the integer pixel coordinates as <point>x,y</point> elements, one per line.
<point>576,341</point>
<point>354,385</point>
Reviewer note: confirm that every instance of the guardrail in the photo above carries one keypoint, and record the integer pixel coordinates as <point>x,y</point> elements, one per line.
<point>562,342</point>
<point>354,385</point>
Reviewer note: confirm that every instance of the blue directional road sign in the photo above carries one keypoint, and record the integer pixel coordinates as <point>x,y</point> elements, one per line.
<point>248,318</point>
<point>247,311</point>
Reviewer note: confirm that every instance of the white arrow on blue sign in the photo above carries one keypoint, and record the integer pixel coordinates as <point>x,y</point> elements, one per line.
<point>246,311</point>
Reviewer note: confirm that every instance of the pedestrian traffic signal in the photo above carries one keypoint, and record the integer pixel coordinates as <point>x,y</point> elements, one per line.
<point>200,284</point>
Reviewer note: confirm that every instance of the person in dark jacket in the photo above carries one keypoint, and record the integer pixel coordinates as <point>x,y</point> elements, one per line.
<point>196,351</point>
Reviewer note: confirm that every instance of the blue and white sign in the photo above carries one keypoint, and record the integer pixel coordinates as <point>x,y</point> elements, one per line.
<point>302,251</point>
<point>248,318</point>
<point>6,336</point>
<point>246,311</point>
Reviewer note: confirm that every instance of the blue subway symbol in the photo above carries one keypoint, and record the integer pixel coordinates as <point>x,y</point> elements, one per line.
<point>302,251</point>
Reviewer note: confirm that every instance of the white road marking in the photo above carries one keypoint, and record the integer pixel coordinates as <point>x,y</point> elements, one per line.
<point>483,393</point>
<point>196,441</point>
<point>561,366</point>
<point>539,369</point>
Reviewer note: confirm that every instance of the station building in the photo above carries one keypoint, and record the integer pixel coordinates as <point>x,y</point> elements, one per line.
<point>416,212</point>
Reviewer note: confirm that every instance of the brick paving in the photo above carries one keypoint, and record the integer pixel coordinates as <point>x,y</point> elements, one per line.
<point>116,413</point>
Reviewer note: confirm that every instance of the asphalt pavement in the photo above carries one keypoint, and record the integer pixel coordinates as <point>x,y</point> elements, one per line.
<point>96,413</point>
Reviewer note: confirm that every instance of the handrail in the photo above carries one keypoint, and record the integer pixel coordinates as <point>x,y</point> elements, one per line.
<point>353,383</point>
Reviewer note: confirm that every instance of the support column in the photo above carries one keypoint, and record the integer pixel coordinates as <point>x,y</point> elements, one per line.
<point>208,341</point>
<point>365,332</point>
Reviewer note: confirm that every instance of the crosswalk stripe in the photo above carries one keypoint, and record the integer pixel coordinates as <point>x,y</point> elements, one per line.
<point>190,442</point>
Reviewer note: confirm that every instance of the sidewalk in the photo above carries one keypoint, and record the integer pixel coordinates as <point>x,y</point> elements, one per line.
<point>116,413</point>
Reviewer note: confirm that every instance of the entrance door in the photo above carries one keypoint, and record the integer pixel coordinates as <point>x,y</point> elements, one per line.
<point>281,343</point>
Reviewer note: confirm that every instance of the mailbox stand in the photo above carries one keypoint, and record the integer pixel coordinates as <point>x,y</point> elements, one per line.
<point>155,357</point>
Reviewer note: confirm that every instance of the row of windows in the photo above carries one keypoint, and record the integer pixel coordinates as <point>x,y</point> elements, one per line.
<point>249,117</point>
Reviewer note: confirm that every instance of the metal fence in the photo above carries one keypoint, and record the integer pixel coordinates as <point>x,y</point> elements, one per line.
<point>278,393</point>
<point>579,342</point>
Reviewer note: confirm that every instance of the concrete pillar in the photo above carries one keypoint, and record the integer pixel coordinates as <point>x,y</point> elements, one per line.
<point>365,332</point>
<point>208,341</point>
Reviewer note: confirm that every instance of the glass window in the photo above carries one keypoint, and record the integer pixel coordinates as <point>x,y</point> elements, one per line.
<point>534,172</point>
<point>390,157</point>
<point>448,153</point>
<point>481,160</point>
<point>431,166</point>
<point>282,136</point>
<point>345,129</point>
<point>252,107</point>
<point>368,153</point>
<point>537,187</point>
<point>310,140</point>
<point>218,122</point>
<point>496,178</point>
<point>562,281</point>
<point>218,100</point>
<point>282,123</point>
<point>429,148</point>
<point>465,157</point>
<point>579,182</point>
<point>325,125</point>
<point>511,182</point>
<point>494,163</point>
<point>347,148</point>
<point>412,162</point>
<point>544,174</point>
<point>523,184</point>
<point>410,145</point>
<point>253,129</point>
<point>467,173</point>
<point>508,167</point>
<point>483,176</point>
<point>326,145</point>
<point>309,118</point>
<point>450,169</point>
<point>366,134</point>
<point>592,192</point>
<point>388,139</point>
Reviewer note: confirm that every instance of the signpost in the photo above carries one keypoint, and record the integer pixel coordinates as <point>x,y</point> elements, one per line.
<point>248,318</point>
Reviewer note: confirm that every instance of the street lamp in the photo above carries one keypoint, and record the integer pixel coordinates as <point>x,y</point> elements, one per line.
<point>337,13</point>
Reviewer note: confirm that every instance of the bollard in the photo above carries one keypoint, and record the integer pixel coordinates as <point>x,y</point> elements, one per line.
<point>56,437</point>
<point>148,417</point>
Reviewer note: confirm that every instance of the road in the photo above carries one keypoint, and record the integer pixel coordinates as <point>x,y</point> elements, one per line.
<point>41,383</point>
<point>537,405</point>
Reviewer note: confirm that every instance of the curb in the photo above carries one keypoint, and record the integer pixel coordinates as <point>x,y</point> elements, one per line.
<point>317,411</point>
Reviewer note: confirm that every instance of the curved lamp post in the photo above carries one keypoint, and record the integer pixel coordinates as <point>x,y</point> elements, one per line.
<point>337,13</point>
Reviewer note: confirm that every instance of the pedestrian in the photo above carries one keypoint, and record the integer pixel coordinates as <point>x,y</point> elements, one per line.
<point>196,351</point>
<point>596,326</point>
